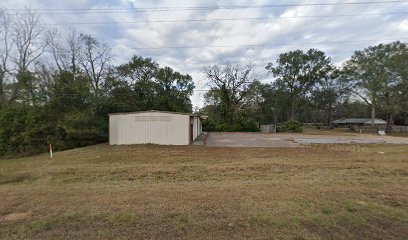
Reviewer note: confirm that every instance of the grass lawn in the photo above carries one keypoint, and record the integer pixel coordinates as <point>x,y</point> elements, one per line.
<point>196,192</point>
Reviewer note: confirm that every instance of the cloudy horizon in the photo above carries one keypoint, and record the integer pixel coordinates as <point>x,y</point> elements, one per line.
<point>188,36</point>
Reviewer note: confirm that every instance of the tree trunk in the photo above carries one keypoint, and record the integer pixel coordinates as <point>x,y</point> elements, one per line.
<point>372,116</point>
<point>330,118</point>
<point>275,116</point>
<point>2,97</point>
<point>292,113</point>
<point>390,123</point>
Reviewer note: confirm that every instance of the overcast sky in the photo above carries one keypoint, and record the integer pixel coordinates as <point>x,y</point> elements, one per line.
<point>167,30</point>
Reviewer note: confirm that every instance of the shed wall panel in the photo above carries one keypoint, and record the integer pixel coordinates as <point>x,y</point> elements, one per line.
<point>149,127</point>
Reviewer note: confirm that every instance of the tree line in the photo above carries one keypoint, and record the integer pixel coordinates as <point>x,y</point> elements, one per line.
<point>306,86</point>
<point>59,87</point>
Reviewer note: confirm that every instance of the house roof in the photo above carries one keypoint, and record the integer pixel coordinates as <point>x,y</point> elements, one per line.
<point>359,121</point>
<point>156,111</point>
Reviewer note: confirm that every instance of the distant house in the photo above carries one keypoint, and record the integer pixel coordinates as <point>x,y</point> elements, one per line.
<point>348,122</point>
<point>156,127</point>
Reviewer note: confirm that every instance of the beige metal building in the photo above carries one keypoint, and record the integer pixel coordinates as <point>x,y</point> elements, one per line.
<point>156,127</point>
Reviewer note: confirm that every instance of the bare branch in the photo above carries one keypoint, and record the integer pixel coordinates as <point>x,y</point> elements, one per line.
<point>94,59</point>
<point>27,39</point>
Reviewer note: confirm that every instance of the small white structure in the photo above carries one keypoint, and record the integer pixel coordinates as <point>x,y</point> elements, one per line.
<point>268,128</point>
<point>156,127</point>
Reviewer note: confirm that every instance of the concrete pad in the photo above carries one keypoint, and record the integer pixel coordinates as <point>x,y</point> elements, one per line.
<point>346,139</point>
<point>290,140</point>
<point>248,140</point>
<point>200,140</point>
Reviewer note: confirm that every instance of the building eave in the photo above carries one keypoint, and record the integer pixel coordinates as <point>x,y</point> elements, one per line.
<point>157,111</point>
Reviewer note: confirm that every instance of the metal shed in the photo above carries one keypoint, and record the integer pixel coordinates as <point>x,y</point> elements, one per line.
<point>156,127</point>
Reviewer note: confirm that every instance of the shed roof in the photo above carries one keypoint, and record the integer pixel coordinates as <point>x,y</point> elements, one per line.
<point>156,111</point>
<point>359,121</point>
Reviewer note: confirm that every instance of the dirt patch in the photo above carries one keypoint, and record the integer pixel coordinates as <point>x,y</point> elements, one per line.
<point>14,217</point>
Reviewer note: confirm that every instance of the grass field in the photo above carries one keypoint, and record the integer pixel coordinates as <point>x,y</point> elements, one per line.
<point>196,192</point>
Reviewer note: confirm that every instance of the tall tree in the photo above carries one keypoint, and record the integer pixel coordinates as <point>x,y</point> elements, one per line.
<point>264,103</point>
<point>374,74</point>
<point>396,98</point>
<point>5,50</point>
<point>327,94</point>
<point>95,59</point>
<point>27,38</point>
<point>23,46</point>
<point>229,83</point>
<point>297,72</point>
<point>138,69</point>
<point>139,75</point>
<point>57,49</point>
<point>73,49</point>
<point>174,90</point>
<point>153,87</point>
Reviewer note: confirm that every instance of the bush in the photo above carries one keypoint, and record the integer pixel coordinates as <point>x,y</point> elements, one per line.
<point>23,131</point>
<point>240,124</point>
<point>292,126</point>
<point>27,130</point>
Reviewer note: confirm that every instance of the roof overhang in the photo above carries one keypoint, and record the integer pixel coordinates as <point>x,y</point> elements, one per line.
<point>156,111</point>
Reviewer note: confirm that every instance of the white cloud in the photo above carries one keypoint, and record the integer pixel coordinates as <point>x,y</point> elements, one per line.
<point>278,28</point>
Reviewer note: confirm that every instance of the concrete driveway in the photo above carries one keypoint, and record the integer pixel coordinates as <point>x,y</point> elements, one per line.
<point>284,140</point>
<point>247,140</point>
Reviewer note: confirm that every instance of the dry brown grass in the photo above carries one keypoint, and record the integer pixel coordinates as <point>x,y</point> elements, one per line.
<point>195,192</point>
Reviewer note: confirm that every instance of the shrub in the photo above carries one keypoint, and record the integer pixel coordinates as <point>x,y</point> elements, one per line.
<point>292,126</point>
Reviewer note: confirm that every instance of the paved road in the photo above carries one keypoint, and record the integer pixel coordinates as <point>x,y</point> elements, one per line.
<point>294,140</point>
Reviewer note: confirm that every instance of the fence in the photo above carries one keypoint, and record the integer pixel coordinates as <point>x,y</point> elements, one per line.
<point>395,129</point>
<point>400,129</point>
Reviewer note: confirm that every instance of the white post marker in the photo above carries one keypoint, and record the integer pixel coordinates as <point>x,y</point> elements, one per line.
<point>51,150</point>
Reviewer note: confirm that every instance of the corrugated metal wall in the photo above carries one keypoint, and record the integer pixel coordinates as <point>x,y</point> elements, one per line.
<point>149,127</point>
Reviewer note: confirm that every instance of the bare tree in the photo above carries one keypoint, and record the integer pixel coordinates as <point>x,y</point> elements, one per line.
<point>28,45</point>
<point>53,39</point>
<point>5,49</point>
<point>94,58</point>
<point>73,49</point>
<point>64,49</point>
<point>27,38</point>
